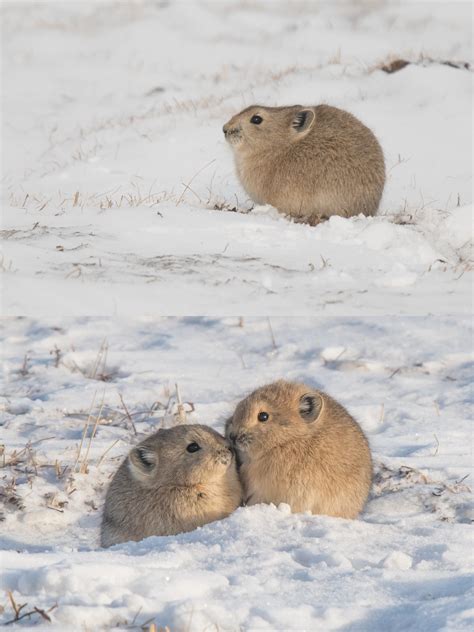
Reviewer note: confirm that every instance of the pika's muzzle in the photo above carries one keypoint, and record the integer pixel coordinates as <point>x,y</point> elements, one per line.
<point>231,132</point>
<point>225,455</point>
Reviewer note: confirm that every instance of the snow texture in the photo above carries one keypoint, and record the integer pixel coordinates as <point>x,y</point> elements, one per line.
<point>406,564</point>
<point>119,189</point>
<point>120,204</point>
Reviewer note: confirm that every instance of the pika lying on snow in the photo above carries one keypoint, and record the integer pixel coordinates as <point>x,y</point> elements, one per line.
<point>299,446</point>
<point>308,162</point>
<point>174,481</point>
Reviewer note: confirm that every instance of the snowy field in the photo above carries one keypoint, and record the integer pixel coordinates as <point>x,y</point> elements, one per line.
<point>406,564</point>
<point>119,192</point>
<point>120,203</point>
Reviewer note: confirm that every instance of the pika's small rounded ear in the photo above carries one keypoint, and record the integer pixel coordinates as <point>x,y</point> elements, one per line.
<point>142,461</point>
<point>310,406</point>
<point>303,121</point>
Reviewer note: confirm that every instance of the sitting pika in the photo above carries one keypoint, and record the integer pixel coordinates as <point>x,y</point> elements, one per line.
<point>298,446</point>
<point>308,162</point>
<point>174,481</point>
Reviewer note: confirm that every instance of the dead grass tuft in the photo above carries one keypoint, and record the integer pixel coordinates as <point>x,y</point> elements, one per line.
<point>17,609</point>
<point>80,200</point>
<point>394,64</point>
<point>10,498</point>
<point>98,370</point>
<point>81,465</point>
<point>390,480</point>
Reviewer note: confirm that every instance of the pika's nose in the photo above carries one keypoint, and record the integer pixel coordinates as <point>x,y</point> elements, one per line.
<point>225,129</point>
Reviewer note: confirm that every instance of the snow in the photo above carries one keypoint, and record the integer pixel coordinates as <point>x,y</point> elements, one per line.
<point>115,165</point>
<point>120,204</point>
<point>406,564</point>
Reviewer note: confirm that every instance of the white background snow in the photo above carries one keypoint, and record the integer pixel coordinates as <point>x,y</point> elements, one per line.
<point>115,160</point>
<point>119,204</point>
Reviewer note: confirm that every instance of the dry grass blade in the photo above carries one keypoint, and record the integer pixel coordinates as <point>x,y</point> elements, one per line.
<point>100,361</point>
<point>14,458</point>
<point>24,368</point>
<point>128,415</point>
<point>187,186</point>
<point>106,451</point>
<point>271,334</point>
<point>382,414</point>
<point>83,468</point>
<point>16,608</point>
<point>86,426</point>
<point>44,614</point>
<point>181,414</point>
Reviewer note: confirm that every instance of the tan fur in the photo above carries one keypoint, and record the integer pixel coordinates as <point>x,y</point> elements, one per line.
<point>178,492</point>
<point>331,165</point>
<point>322,465</point>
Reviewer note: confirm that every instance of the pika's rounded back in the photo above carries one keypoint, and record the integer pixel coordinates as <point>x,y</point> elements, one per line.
<point>309,162</point>
<point>174,481</point>
<point>299,446</point>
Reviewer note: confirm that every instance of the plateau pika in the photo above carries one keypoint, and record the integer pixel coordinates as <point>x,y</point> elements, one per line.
<point>174,481</point>
<point>309,162</point>
<point>297,445</point>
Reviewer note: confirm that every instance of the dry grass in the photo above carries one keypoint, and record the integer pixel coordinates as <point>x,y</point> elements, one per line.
<point>6,265</point>
<point>10,498</point>
<point>229,207</point>
<point>24,467</point>
<point>148,625</point>
<point>116,200</point>
<point>174,412</point>
<point>112,14</point>
<point>393,63</point>
<point>81,464</point>
<point>129,417</point>
<point>17,609</point>
<point>465,260</point>
<point>81,199</point>
<point>98,370</point>
<point>390,480</point>
<point>25,455</point>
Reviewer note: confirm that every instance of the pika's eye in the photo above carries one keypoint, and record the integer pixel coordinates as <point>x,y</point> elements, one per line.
<point>193,447</point>
<point>263,416</point>
<point>256,119</point>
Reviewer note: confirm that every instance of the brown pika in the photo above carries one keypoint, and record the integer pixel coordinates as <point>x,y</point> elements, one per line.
<point>174,481</point>
<point>297,445</point>
<point>309,162</point>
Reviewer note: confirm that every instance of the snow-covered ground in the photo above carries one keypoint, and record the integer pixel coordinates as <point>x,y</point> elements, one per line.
<point>406,564</point>
<point>118,188</point>
<point>120,202</point>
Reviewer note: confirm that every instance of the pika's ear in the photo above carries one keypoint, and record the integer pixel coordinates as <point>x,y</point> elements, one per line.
<point>142,461</point>
<point>303,121</point>
<point>310,406</point>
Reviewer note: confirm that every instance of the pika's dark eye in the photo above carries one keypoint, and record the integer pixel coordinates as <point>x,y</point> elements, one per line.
<point>262,416</point>
<point>256,119</point>
<point>193,447</point>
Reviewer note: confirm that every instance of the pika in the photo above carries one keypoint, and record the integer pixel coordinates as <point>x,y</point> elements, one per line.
<point>308,162</point>
<point>174,481</point>
<point>297,445</point>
